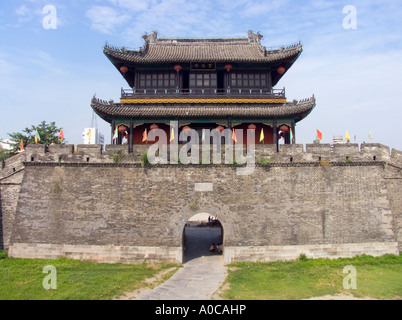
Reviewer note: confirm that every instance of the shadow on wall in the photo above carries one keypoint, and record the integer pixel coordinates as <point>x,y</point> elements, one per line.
<point>199,237</point>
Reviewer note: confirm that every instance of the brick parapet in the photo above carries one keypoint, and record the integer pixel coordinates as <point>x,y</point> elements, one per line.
<point>285,154</point>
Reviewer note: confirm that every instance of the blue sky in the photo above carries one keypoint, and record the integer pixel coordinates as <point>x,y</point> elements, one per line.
<point>52,74</point>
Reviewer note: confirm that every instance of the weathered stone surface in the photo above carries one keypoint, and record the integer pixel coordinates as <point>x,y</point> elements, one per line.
<point>99,253</point>
<point>89,200</point>
<point>332,251</point>
<point>10,183</point>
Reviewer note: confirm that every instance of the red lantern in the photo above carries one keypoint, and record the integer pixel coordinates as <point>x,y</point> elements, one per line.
<point>154,126</point>
<point>123,69</point>
<point>220,128</point>
<point>186,128</point>
<point>228,67</point>
<point>284,128</point>
<point>281,70</point>
<point>122,129</point>
<point>177,67</point>
<point>252,127</point>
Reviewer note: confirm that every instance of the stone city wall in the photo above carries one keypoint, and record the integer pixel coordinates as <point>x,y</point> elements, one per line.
<point>107,206</point>
<point>11,177</point>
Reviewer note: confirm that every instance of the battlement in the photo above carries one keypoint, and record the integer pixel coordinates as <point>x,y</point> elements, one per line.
<point>295,153</point>
<point>299,195</point>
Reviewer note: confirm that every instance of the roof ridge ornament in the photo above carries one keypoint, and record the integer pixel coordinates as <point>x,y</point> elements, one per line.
<point>151,38</point>
<point>254,37</point>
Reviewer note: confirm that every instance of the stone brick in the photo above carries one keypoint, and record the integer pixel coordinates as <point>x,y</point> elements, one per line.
<point>108,211</point>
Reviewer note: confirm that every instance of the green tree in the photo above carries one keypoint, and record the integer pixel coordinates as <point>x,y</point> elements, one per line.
<point>48,132</point>
<point>4,154</point>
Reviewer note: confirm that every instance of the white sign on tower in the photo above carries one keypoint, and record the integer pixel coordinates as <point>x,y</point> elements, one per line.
<point>93,136</point>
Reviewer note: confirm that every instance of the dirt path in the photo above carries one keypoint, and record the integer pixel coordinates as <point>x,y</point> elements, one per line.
<point>199,279</point>
<point>150,284</point>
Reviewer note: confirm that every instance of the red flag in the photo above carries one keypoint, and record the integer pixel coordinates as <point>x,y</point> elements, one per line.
<point>319,135</point>
<point>22,145</point>
<point>61,135</point>
<point>234,136</point>
<point>144,136</point>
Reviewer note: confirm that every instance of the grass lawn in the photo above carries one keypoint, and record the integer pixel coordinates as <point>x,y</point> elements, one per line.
<point>379,278</point>
<point>21,279</point>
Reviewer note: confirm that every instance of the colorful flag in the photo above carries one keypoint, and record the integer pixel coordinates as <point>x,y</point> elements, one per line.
<point>22,146</point>
<point>347,136</point>
<point>89,136</point>
<point>262,135</point>
<point>370,135</point>
<point>61,135</point>
<point>37,136</point>
<point>319,135</point>
<point>234,135</point>
<point>116,134</point>
<point>144,135</point>
<point>291,136</point>
<point>172,135</point>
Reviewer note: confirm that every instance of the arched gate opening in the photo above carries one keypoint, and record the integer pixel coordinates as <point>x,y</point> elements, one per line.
<point>202,236</point>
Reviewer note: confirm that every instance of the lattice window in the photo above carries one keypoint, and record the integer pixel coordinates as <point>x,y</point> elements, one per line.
<point>248,80</point>
<point>203,80</point>
<point>157,80</point>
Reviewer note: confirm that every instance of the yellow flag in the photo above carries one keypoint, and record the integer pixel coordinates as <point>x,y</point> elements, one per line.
<point>172,135</point>
<point>347,136</point>
<point>89,133</point>
<point>262,135</point>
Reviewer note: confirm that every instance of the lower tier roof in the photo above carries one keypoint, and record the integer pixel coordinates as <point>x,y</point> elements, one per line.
<point>111,110</point>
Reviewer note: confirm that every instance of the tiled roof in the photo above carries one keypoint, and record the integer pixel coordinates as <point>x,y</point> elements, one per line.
<point>206,50</point>
<point>297,110</point>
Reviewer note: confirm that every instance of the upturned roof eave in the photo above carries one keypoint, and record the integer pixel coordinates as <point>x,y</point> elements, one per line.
<point>118,56</point>
<point>298,111</point>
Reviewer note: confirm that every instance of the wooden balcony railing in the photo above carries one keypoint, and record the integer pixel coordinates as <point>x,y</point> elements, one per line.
<point>203,93</point>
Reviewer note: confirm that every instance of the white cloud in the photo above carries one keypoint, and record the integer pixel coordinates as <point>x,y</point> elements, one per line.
<point>253,9</point>
<point>132,5</point>
<point>106,19</point>
<point>178,18</point>
<point>24,13</point>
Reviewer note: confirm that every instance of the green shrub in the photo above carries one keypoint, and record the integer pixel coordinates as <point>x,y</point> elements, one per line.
<point>325,163</point>
<point>264,161</point>
<point>194,206</point>
<point>3,254</point>
<point>117,157</point>
<point>302,257</point>
<point>144,159</point>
